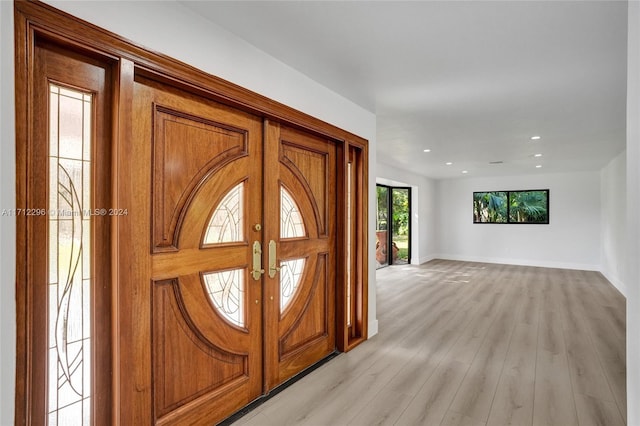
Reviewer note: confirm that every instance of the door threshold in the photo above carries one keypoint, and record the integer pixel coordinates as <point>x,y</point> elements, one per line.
<point>264,398</point>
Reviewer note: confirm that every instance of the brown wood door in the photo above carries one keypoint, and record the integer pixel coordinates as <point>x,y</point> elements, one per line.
<point>300,234</point>
<point>222,328</point>
<point>200,199</point>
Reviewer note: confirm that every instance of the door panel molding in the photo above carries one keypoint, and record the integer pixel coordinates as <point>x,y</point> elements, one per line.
<point>294,154</point>
<point>182,376</point>
<point>292,342</point>
<point>215,145</point>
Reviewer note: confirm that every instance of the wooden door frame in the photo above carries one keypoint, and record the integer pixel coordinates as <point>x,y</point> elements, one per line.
<point>35,20</point>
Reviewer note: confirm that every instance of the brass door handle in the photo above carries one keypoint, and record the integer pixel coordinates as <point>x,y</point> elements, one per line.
<point>257,261</point>
<point>272,259</point>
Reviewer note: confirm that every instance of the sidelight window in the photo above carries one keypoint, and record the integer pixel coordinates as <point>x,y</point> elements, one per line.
<point>70,272</point>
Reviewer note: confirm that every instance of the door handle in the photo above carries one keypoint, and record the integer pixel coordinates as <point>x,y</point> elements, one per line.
<point>257,261</point>
<point>272,259</point>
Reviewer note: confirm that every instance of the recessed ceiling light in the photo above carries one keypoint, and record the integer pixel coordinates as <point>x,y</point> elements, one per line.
<point>538,155</point>
<point>539,166</point>
<point>535,138</point>
<point>427,150</point>
<point>464,172</point>
<point>448,163</point>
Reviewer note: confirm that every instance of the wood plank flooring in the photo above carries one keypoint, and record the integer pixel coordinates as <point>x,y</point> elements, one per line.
<point>465,343</point>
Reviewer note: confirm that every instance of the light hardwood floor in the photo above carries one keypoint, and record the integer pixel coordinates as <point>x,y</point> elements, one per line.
<point>465,343</point>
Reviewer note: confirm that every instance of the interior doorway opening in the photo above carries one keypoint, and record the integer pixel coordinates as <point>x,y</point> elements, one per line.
<point>393,225</point>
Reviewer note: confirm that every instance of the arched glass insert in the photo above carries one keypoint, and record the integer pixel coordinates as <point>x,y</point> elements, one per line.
<point>226,223</point>
<point>290,275</point>
<point>291,223</point>
<point>226,292</point>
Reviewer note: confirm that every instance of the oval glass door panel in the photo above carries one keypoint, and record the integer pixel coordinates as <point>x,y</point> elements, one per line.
<point>226,292</point>
<point>226,223</point>
<point>291,223</point>
<point>290,275</point>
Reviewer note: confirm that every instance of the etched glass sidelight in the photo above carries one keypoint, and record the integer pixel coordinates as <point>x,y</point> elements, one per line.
<point>226,292</point>
<point>291,223</point>
<point>225,225</point>
<point>69,235</point>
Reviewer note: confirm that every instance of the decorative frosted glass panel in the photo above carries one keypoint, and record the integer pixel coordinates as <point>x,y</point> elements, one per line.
<point>290,275</point>
<point>291,223</point>
<point>225,225</point>
<point>226,291</point>
<point>69,235</point>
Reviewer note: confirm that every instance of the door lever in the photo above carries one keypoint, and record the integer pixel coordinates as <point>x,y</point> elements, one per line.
<point>272,259</point>
<point>257,261</point>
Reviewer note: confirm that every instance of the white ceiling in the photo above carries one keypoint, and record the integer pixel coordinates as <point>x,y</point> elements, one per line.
<point>470,80</point>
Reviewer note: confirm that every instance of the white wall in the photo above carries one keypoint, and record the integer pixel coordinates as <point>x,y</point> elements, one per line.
<point>196,42</point>
<point>632,275</point>
<point>571,240</point>
<point>613,199</point>
<point>174,30</point>
<point>423,206</point>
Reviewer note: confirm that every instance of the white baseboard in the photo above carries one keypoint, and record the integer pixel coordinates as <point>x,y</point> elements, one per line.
<point>523,262</point>
<point>616,282</point>
<point>425,259</point>
<point>372,329</point>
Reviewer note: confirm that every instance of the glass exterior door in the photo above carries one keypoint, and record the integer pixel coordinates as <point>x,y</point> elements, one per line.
<point>400,223</point>
<point>393,226</point>
<point>382,226</point>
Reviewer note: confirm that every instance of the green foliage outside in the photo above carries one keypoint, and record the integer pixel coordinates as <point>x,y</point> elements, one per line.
<point>383,208</point>
<point>400,211</point>
<point>490,207</point>
<point>400,200</point>
<point>395,218</point>
<point>402,243</point>
<point>511,207</point>
<point>528,207</point>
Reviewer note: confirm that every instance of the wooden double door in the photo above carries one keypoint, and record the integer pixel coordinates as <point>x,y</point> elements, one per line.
<point>238,277</point>
<point>183,245</point>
